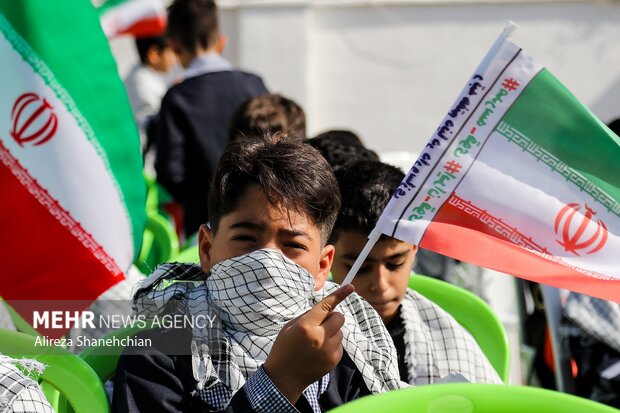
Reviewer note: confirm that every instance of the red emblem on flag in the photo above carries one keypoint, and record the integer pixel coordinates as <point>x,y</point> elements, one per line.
<point>585,236</point>
<point>34,120</point>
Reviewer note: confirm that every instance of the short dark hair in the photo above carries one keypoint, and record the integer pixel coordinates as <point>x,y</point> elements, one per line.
<point>193,23</point>
<point>340,147</point>
<point>143,44</point>
<point>366,188</point>
<point>268,114</point>
<point>289,173</point>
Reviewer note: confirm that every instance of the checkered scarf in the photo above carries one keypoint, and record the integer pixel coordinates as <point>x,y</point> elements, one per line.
<point>437,345</point>
<point>599,318</point>
<point>19,391</point>
<point>255,295</point>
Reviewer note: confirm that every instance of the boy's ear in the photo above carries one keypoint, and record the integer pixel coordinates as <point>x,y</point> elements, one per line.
<point>220,43</point>
<point>153,55</point>
<point>325,265</point>
<point>414,249</point>
<point>205,241</point>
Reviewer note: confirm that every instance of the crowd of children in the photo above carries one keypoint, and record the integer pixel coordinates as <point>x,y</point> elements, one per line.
<point>280,220</point>
<point>271,231</point>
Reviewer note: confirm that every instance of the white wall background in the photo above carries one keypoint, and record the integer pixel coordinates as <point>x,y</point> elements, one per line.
<point>391,70</point>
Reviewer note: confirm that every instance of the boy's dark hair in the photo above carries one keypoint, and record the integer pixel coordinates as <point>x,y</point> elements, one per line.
<point>193,23</point>
<point>289,173</point>
<point>366,187</point>
<point>268,114</point>
<point>340,147</point>
<point>143,44</point>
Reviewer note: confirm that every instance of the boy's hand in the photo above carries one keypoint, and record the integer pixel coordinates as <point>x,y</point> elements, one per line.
<point>308,347</point>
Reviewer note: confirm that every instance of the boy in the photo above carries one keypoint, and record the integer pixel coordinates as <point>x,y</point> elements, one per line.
<point>195,114</point>
<point>146,84</point>
<point>429,342</point>
<point>148,81</point>
<point>264,262</point>
<point>269,113</point>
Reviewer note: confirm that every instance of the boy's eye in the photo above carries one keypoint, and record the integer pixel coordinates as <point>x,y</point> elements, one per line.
<point>244,238</point>
<point>394,266</point>
<point>295,245</point>
<point>364,269</point>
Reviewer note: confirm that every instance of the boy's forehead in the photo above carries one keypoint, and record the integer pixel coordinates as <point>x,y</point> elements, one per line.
<point>253,206</point>
<point>260,215</point>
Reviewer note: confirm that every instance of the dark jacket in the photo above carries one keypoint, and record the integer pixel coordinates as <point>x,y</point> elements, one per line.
<point>154,379</point>
<point>191,132</point>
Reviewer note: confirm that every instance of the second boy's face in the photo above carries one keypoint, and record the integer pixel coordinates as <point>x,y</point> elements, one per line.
<point>383,278</point>
<point>256,224</point>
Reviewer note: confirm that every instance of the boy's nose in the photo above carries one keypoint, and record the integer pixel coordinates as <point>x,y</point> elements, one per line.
<point>271,245</point>
<point>381,279</point>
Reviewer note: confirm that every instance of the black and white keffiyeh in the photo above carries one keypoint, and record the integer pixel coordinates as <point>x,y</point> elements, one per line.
<point>254,295</point>
<point>598,318</point>
<point>19,393</point>
<point>436,345</point>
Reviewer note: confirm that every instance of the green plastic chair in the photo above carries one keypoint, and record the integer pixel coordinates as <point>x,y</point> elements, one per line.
<point>66,377</point>
<point>473,398</point>
<point>159,243</point>
<point>156,195</point>
<point>473,314</point>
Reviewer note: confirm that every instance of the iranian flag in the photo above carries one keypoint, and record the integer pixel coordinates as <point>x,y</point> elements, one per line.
<point>140,18</point>
<point>72,210</point>
<point>520,177</point>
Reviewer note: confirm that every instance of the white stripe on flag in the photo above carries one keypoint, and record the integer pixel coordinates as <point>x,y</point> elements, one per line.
<point>533,198</point>
<point>67,165</point>
<point>469,125</point>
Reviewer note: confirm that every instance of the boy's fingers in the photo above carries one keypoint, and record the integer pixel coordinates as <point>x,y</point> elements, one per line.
<point>323,308</point>
<point>333,322</point>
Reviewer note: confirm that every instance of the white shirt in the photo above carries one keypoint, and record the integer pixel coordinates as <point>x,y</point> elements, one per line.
<point>145,88</point>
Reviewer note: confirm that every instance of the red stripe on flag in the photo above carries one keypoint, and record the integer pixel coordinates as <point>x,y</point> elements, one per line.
<point>461,235</point>
<point>45,254</point>
<point>151,26</point>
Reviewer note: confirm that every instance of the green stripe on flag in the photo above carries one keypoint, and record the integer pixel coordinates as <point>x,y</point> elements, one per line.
<point>549,116</point>
<point>72,45</point>
<point>110,4</point>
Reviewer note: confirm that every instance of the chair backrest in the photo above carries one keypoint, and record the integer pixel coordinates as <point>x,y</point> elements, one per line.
<point>156,195</point>
<point>65,373</point>
<point>159,243</point>
<point>473,314</point>
<point>473,398</point>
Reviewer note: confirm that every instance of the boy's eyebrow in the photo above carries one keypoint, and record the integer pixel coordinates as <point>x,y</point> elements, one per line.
<point>399,254</point>
<point>247,225</point>
<point>256,226</point>
<point>353,256</point>
<point>296,233</point>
